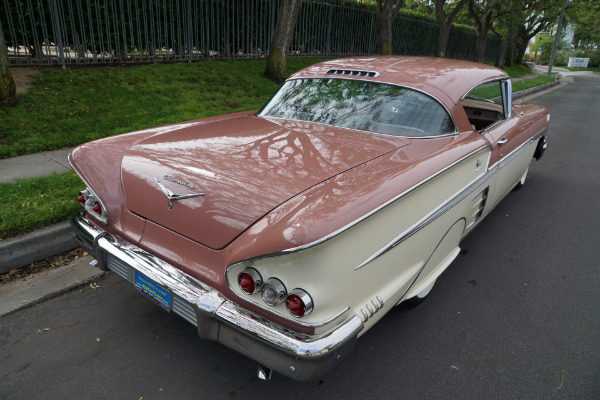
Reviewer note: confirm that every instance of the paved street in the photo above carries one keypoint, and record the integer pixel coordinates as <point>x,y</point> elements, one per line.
<point>517,315</point>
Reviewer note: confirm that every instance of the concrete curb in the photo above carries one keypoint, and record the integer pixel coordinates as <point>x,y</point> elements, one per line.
<point>31,290</point>
<point>32,246</point>
<point>527,92</point>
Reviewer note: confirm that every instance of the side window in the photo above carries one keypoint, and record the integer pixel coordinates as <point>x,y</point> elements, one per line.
<point>484,105</point>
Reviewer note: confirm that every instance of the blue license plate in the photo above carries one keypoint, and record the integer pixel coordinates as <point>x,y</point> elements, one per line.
<point>153,291</point>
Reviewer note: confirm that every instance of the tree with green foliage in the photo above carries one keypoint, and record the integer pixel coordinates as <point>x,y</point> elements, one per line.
<point>586,20</point>
<point>8,96</point>
<point>481,13</point>
<point>543,48</point>
<point>538,15</point>
<point>509,16</point>
<point>387,11</point>
<point>282,37</point>
<point>445,15</point>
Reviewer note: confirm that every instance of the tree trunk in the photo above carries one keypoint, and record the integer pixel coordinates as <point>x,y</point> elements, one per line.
<point>282,37</point>
<point>445,24</point>
<point>521,54</point>
<point>501,53</point>
<point>482,24</point>
<point>480,46</point>
<point>8,95</point>
<point>443,40</point>
<point>510,51</point>
<point>387,11</point>
<point>386,35</point>
<point>522,49</point>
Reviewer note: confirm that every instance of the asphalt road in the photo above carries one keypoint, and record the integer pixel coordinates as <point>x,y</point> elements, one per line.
<point>517,315</point>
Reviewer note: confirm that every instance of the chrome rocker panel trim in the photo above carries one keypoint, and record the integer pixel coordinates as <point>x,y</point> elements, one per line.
<point>294,354</point>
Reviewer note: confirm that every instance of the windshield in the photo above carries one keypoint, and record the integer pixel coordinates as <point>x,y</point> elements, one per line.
<point>366,106</point>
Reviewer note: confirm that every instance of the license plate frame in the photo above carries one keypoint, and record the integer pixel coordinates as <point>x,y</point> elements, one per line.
<point>153,291</point>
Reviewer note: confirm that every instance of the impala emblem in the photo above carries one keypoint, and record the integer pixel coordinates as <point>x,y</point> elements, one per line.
<point>176,196</point>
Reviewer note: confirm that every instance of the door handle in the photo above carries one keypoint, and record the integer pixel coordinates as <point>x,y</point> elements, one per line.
<point>502,141</point>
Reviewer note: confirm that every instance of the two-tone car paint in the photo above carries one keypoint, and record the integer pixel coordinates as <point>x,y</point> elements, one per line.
<point>361,221</point>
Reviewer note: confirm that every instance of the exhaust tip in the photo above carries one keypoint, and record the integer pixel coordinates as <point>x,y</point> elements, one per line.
<point>264,372</point>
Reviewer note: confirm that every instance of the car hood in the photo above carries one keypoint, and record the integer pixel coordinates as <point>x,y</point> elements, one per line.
<point>243,166</point>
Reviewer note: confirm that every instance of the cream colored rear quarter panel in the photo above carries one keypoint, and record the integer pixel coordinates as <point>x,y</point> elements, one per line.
<point>509,174</point>
<point>328,271</point>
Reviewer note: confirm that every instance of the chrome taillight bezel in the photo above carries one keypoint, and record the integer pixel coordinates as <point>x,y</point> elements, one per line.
<point>255,276</point>
<point>90,201</point>
<point>276,287</point>
<point>304,297</point>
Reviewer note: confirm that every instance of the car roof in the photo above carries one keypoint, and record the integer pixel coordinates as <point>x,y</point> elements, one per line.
<point>446,79</point>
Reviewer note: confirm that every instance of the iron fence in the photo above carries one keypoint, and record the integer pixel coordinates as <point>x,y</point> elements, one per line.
<point>132,31</point>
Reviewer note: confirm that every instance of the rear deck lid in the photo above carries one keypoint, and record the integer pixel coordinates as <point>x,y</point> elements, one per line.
<point>243,167</point>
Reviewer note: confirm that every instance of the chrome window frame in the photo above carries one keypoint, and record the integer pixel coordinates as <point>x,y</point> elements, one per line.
<point>505,95</point>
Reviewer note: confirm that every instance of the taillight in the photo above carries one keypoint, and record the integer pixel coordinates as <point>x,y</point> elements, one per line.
<point>250,281</point>
<point>92,205</point>
<point>273,292</point>
<point>299,303</point>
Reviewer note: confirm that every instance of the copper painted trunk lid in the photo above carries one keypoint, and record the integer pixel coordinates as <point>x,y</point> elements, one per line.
<point>244,167</point>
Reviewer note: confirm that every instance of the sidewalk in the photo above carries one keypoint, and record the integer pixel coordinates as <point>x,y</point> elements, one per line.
<point>27,292</point>
<point>41,164</point>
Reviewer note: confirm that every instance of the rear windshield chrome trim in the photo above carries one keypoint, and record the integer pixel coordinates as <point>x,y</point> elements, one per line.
<point>346,77</point>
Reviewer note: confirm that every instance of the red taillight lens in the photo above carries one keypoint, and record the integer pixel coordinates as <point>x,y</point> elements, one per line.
<point>250,281</point>
<point>246,283</point>
<point>299,303</point>
<point>97,209</point>
<point>295,305</point>
<point>81,199</point>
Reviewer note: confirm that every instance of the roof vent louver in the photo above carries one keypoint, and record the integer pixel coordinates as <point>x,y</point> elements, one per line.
<point>368,74</point>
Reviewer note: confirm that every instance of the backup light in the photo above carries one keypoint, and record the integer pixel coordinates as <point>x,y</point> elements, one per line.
<point>273,292</point>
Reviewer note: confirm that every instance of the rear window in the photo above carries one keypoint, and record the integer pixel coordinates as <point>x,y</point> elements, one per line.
<point>366,106</point>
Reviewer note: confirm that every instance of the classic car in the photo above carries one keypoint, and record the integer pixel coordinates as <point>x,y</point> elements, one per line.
<point>286,233</point>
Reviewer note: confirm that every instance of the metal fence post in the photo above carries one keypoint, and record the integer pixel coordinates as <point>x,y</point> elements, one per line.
<point>56,27</point>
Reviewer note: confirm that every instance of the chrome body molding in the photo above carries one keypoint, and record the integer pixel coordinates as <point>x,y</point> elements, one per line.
<point>294,354</point>
<point>429,218</point>
<point>452,201</point>
<point>510,156</point>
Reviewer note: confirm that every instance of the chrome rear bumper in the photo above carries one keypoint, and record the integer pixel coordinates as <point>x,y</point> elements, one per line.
<point>296,355</point>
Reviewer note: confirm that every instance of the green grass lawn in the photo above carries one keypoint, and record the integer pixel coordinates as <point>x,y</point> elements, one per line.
<point>37,202</point>
<point>533,82</point>
<point>67,108</point>
<point>515,71</point>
